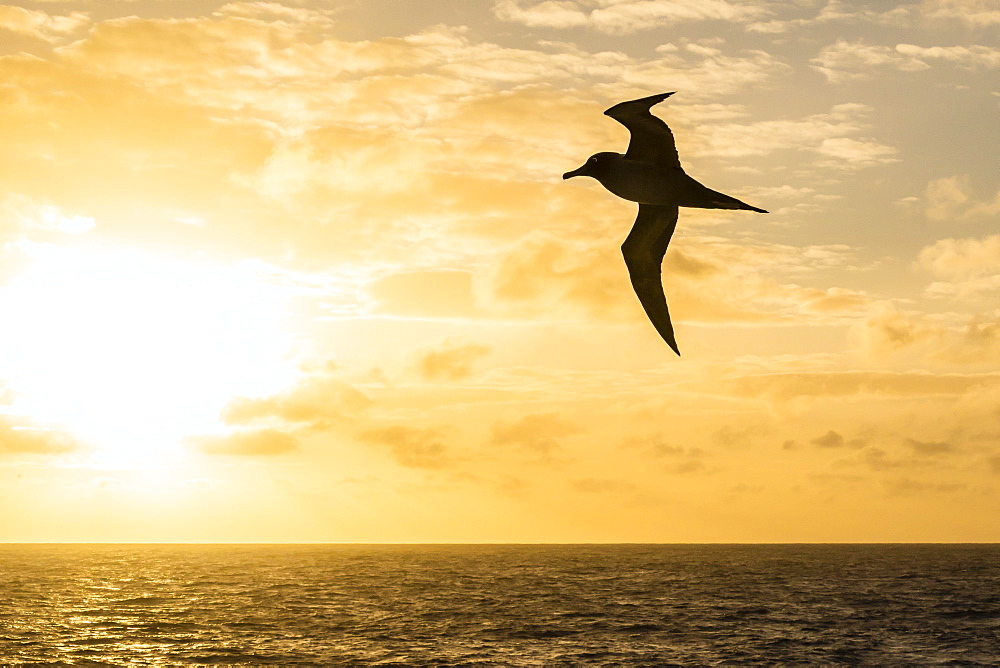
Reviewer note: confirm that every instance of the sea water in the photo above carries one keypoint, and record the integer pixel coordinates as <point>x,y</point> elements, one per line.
<point>499,604</point>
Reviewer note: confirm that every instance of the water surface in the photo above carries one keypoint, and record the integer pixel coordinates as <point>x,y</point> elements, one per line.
<point>499,604</point>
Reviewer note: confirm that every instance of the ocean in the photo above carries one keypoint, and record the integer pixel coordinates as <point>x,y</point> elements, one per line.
<point>148,605</point>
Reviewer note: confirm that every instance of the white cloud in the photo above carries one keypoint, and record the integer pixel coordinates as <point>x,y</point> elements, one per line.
<point>622,16</point>
<point>975,13</point>
<point>848,153</point>
<point>41,25</point>
<point>971,268</point>
<point>962,258</point>
<point>275,11</point>
<point>951,198</point>
<point>844,60</point>
<point>832,136</point>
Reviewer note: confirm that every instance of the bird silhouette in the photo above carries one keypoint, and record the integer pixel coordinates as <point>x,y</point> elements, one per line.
<point>650,173</point>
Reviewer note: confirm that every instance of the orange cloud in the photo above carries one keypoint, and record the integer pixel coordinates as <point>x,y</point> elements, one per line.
<point>888,332</point>
<point>706,280</point>
<point>316,399</point>
<point>410,446</point>
<point>536,431</point>
<point>452,360</point>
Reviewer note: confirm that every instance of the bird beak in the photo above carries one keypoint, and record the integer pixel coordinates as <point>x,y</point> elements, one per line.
<point>576,172</point>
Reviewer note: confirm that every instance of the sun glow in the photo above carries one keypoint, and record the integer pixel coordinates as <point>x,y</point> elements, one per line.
<point>130,352</point>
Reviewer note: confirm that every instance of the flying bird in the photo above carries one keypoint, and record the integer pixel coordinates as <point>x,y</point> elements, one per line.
<point>650,173</point>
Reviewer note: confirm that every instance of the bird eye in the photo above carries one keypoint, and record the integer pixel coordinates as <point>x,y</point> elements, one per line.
<point>592,160</point>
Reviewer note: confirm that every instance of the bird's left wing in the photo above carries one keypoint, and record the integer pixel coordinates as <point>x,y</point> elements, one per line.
<point>644,249</point>
<point>651,140</point>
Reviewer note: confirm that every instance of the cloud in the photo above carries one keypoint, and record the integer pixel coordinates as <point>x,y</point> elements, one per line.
<point>734,436</point>
<point>848,153</point>
<point>452,360</point>
<point>20,439</point>
<point>704,71</point>
<point>318,398</point>
<point>689,466</point>
<point>889,332</point>
<point>951,199</point>
<point>543,271</point>
<point>103,149</point>
<point>620,17</point>
<point>971,267</point>
<point>673,459</point>
<point>830,439</point>
<point>708,280</point>
<point>910,487</point>
<point>238,62</point>
<point>676,459</point>
<point>259,132</point>
<point>975,13</point>
<point>277,12</point>
<point>410,446</point>
<point>22,216</point>
<point>945,197</point>
<point>813,384</point>
<point>844,60</point>
<point>250,443</point>
<point>426,294</point>
<point>549,14</point>
<point>830,136</point>
<point>929,447</point>
<point>878,460</point>
<point>536,431</point>
<point>836,11</point>
<point>41,25</point>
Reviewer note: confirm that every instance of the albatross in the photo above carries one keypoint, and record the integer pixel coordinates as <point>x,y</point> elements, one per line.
<point>650,173</point>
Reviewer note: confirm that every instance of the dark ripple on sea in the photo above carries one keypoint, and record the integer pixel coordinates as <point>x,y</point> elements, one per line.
<point>500,604</point>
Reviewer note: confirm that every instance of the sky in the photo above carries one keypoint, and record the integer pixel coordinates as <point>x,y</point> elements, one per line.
<point>307,271</point>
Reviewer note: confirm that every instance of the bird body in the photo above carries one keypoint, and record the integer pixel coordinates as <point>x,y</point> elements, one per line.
<point>650,183</point>
<point>650,173</point>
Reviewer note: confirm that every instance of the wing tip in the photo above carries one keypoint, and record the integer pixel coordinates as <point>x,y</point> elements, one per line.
<point>666,332</point>
<point>649,101</point>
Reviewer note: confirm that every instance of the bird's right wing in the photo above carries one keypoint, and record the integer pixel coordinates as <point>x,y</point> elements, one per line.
<point>644,249</point>
<point>651,140</point>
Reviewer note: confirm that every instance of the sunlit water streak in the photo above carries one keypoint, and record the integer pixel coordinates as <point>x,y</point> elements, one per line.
<point>612,604</point>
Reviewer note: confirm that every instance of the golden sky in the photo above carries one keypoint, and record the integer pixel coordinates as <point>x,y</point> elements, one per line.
<point>307,271</point>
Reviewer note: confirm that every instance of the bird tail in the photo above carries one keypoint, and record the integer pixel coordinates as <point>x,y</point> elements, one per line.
<point>721,201</point>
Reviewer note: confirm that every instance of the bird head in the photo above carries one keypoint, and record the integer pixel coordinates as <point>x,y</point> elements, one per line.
<point>595,167</point>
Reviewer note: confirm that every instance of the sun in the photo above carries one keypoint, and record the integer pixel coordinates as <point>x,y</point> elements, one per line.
<point>133,351</point>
